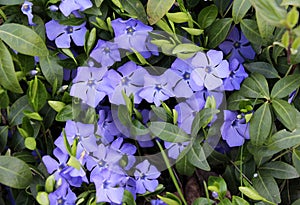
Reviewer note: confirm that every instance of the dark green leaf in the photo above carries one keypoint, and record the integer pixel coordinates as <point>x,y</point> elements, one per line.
<point>285,86</point>
<point>11,2</point>
<point>222,5</point>
<point>168,132</point>
<point>218,31</point>
<point>255,86</point>
<point>266,69</point>
<point>8,78</point>
<point>250,30</point>
<point>135,8</point>
<point>219,183</point>
<point>207,16</point>
<point>239,9</point>
<point>14,172</point>
<point>37,94</point>
<point>156,9</point>
<point>161,113</point>
<point>196,156</point>
<point>23,39</point>
<point>285,112</point>
<point>3,137</point>
<point>183,166</point>
<point>16,114</point>
<point>265,29</point>
<point>280,170</point>
<point>296,159</point>
<point>128,198</point>
<point>65,114</point>
<point>203,201</point>
<point>284,139</point>
<point>260,125</point>
<point>267,187</point>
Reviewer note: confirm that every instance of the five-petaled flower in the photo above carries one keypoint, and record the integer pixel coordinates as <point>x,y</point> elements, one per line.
<point>27,10</point>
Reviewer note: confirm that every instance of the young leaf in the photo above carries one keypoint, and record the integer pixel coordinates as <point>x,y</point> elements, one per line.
<point>285,86</point>
<point>178,17</point>
<point>285,112</point>
<point>236,200</point>
<point>30,143</point>
<point>280,170</point>
<point>37,94</point>
<point>218,31</point>
<point>239,9</point>
<point>156,9</point>
<point>256,86</point>
<point>251,193</point>
<point>207,16</point>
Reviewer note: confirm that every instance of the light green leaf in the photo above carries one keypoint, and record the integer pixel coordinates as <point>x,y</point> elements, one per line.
<point>203,201</point>
<point>290,2</point>
<point>250,30</point>
<point>168,132</point>
<point>135,8</point>
<point>156,9</point>
<point>239,9</point>
<point>65,114</point>
<point>8,78</point>
<point>251,193</point>
<point>260,125</point>
<point>186,48</point>
<point>14,172</point>
<point>56,105</point>
<point>196,157</point>
<point>16,114</point>
<point>11,2</point>
<point>280,170</point>
<point>266,69</point>
<point>178,17</point>
<point>285,112</point>
<point>285,86</point>
<point>42,198</point>
<point>32,115</point>
<point>193,31</point>
<point>236,200</point>
<point>255,86</point>
<point>37,94</point>
<point>30,143</point>
<point>23,39</point>
<point>207,16</point>
<point>218,31</point>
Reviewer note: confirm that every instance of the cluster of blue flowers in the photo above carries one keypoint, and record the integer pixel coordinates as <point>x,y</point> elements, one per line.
<point>102,154</point>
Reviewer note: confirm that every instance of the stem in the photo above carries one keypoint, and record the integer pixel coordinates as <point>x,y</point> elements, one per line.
<point>171,172</point>
<point>241,168</point>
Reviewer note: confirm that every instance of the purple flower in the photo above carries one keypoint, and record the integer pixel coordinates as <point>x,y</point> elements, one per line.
<point>234,129</point>
<point>209,70</point>
<point>157,202</point>
<point>130,79</point>
<point>157,88</point>
<point>236,77</point>
<point>237,46</point>
<point>127,151</point>
<point>146,177</point>
<point>106,53</point>
<point>89,85</point>
<point>62,195</point>
<point>131,33</point>
<point>174,149</point>
<point>63,34</point>
<point>68,6</point>
<point>27,10</point>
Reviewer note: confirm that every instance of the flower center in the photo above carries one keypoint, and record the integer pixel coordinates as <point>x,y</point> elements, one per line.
<point>186,76</point>
<point>101,163</point>
<point>237,44</point>
<point>208,69</point>
<point>130,30</point>
<point>158,87</point>
<point>106,50</point>
<point>26,7</point>
<point>60,201</point>
<point>125,81</point>
<point>91,82</point>
<point>69,29</point>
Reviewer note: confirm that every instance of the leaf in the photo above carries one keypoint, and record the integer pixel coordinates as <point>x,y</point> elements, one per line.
<point>203,201</point>
<point>51,69</point>
<point>11,2</point>
<point>218,32</point>
<point>14,172</point>
<point>42,198</point>
<point>285,86</point>
<point>290,2</point>
<point>266,30</point>
<point>30,143</point>
<point>186,48</point>
<point>135,8</point>
<point>37,94</point>
<point>128,198</point>
<point>33,115</point>
<point>285,112</point>
<point>255,86</point>
<point>239,9</point>
<point>193,31</point>
<point>23,39</point>
<point>219,183</point>
<point>65,114</point>
<point>8,78</point>
<point>280,170</point>
<point>250,30</point>
<point>178,17</point>
<point>236,200</point>
<point>267,187</point>
<point>207,16</point>
<point>3,137</point>
<point>184,167</point>
<point>156,9</point>
<point>260,125</point>
<point>266,69</point>
<point>16,114</point>
<point>284,139</point>
<point>168,132</point>
<point>196,156</point>
<point>296,160</point>
<point>223,6</point>
<point>251,193</point>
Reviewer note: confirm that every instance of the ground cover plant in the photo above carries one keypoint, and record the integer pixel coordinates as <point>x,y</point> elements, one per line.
<point>149,102</point>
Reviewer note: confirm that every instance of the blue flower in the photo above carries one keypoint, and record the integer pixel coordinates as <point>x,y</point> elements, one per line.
<point>62,34</point>
<point>62,195</point>
<point>90,86</point>
<point>237,45</point>
<point>234,129</point>
<point>209,69</point>
<point>236,77</point>
<point>68,6</point>
<point>127,151</point>
<point>146,177</point>
<point>174,149</point>
<point>27,10</point>
<point>157,202</point>
<point>106,53</point>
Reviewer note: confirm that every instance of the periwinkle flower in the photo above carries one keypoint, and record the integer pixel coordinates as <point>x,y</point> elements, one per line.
<point>62,34</point>
<point>106,53</point>
<point>238,46</point>
<point>68,6</point>
<point>209,70</point>
<point>157,202</point>
<point>174,149</point>
<point>62,195</point>
<point>236,77</point>
<point>234,129</point>
<point>89,85</point>
<point>127,150</point>
<point>27,10</point>
<point>146,177</point>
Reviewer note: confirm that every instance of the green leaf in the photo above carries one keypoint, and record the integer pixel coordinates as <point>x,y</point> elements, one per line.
<point>223,6</point>
<point>255,86</point>
<point>42,198</point>
<point>23,39</point>
<point>73,162</point>
<point>203,201</point>
<point>219,183</point>
<point>290,2</point>
<point>285,86</point>
<point>32,115</point>
<point>218,32</point>
<point>239,9</point>
<point>3,137</point>
<point>250,30</point>
<point>251,193</point>
<point>184,167</point>
<point>14,172</point>
<point>11,2</point>
<point>236,200</point>
<point>266,69</point>
<point>65,114</point>
<point>266,30</point>
<point>156,9</point>
<point>168,200</point>
<point>260,125</point>
<point>178,17</point>
<point>296,160</point>
<point>280,170</point>
<point>30,143</point>
<point>51,69</point>
<point>193,31</point>
<point>135,8</point>
<point>186,48</point>
<point>196,156</point>
<point>284,139</point>
<point>207,16</point>
<point>8,78</point>
<point>285,112</point>
<point>161,113</point>
<point>37,94</point>
<point>168,132</point>
<point>16,114</point>
<point>128,198</point>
